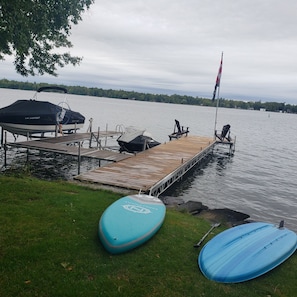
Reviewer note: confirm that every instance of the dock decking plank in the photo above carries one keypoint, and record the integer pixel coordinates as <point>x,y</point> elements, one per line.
<point>142,171</point>
<point>60,145</point>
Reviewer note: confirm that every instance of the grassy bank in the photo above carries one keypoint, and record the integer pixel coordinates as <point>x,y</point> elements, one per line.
<point>49,247</point>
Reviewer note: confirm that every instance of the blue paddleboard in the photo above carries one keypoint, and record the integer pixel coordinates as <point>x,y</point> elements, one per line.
<point>130,221</point>
<point>246,252</point>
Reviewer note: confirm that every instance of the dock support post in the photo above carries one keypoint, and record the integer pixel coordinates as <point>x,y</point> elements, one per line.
<point>98,134</point>
<point>106,129</point>
<point>78,159</point>
<point>2,137</point>
<point>90,140</point>
<point>5,149</point>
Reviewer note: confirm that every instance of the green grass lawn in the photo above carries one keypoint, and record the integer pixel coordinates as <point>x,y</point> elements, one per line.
<point>49,247</point>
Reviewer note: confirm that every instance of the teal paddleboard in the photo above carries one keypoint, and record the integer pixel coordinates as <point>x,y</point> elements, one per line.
<point>246,252</point>
<point>130,221</point>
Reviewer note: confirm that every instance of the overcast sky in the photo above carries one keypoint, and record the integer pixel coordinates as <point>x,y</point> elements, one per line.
<point>174,46</point>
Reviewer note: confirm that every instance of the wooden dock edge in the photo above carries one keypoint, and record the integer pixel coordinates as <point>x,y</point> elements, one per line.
<point>177,174</point>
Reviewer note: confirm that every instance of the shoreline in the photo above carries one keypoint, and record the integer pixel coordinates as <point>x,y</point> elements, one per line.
<point>219,215</point>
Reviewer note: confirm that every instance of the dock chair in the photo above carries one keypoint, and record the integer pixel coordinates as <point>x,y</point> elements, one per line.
<point>178,131</point>
<point>223,135</point>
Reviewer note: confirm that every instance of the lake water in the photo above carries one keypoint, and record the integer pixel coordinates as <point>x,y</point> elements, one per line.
<point>260,179</point>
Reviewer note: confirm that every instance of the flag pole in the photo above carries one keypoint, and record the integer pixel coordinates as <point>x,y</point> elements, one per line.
<point>217,86</point>
<point>216,117</point>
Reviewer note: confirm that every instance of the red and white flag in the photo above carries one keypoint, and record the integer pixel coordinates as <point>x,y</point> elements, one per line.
<point>218,81</point>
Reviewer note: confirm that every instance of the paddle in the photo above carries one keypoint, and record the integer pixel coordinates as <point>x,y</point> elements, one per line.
<point>205,235</point>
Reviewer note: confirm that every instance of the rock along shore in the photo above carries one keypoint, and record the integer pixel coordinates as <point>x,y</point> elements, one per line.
<point>223,215</point>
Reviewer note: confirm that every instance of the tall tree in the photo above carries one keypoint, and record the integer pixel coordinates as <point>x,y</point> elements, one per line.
<point>30,30</point>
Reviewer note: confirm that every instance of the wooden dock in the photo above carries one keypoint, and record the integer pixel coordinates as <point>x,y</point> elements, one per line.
<point>153,170</point>
<point>72,145</point>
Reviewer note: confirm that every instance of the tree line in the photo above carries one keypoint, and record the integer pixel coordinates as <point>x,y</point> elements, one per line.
<point>176,99</point>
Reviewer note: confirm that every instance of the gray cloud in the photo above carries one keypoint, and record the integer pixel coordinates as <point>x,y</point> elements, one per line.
<point>175,47</point>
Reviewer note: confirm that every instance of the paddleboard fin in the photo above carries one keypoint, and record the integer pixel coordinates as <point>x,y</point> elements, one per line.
<point>281,224</point>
